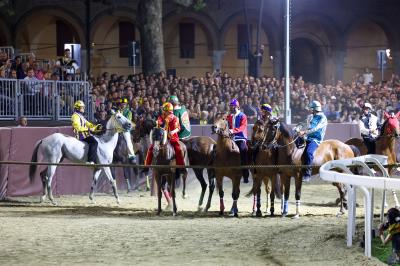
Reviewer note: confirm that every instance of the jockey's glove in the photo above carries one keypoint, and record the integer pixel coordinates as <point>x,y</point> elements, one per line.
<point>98,127</point>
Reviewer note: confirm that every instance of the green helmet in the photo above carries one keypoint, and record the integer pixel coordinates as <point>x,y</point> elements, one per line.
<point>173,99</point>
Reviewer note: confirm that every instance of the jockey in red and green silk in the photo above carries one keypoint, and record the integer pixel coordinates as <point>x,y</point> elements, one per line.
<point>237,122</point>
<point>170,124</point>
<point>183,116</point>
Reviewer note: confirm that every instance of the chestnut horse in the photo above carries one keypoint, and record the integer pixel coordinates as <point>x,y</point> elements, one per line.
<point>227,155</point>
<point>279,136</point>
<point>164,154</point>
<point>263,155</point>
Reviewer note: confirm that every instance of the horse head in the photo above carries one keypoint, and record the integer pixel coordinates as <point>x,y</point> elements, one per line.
<point>120,124</point>
<point>258,133</point>
<point>158,137</point>
<point>220,126</point>
<point>272,134</point>
<point>391,126</point>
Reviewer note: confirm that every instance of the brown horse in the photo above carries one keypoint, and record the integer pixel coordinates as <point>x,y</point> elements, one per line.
<point>263,156</point>
<point>386,142</point>
<point>164,154</point>
<point>201,152</point>
<point>281,137</point>
<point>227,155</point>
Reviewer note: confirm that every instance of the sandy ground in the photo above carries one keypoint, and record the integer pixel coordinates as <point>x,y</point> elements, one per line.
<point>77,232</point>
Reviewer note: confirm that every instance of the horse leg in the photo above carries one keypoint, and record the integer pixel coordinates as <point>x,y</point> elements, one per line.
<point>184,177</point>
<point>211,187</point>
<point>166,192</point>
<point>44,184</point>
<point>285,209</point>
<point>159,193</point>
<point>127,176</point>
<point>51,169</point>
<point>257,195</point>
<point>113,182</point>
<point>96,175</point>
<point>172,184</point>
<point>341,198</point>
<point>235,195</point>
<point>266,180</point>
<point>199,175</point>
<point>221,195</point>
<point>298,183</point>
<point>272,208</point>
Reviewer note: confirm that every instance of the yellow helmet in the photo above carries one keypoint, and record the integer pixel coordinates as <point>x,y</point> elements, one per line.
<point>79,104</point>
<point>167,107</point>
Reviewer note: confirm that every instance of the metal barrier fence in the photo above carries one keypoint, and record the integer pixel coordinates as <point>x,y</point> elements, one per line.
<point>42,99</point>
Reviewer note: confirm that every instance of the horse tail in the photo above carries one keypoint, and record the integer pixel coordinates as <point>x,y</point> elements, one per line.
<point>33,167</point>
<point>356,151</point>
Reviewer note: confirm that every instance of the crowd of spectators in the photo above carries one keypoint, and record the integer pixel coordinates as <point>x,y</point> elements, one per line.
<point>204,97</point>
<point>64,68</point>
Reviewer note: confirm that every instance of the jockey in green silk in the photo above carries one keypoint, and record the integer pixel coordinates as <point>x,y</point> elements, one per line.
<point>183,116</point>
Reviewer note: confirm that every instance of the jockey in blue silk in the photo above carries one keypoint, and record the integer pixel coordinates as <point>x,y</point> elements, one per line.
<point>314,134</point>
<point>237,122</point>
<point>83,130</point>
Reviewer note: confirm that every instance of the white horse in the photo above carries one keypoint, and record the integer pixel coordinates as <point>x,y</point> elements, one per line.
<point>57,146</point>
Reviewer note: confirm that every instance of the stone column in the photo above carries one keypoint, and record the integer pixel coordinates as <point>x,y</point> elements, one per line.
<point>339,64</point>
<point>218,55</point>
<point>396,61</point>
<point>277,63</point>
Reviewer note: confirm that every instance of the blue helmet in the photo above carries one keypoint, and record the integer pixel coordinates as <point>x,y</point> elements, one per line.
<point>234,102</point>
<point>266,107</point>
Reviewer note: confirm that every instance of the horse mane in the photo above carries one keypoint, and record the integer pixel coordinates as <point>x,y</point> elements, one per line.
<point>285,130</point>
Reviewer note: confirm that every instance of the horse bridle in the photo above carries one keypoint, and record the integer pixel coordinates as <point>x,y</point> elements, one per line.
<point>222,132</point>
<point>274,143</point>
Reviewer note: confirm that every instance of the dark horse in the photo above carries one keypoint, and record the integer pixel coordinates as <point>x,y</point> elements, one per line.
<point>279,136</point>
<point>201,151</point>
<point>141,143</point>
<point>263,155</point>
<point>164,154</point>
<point>227,155</point>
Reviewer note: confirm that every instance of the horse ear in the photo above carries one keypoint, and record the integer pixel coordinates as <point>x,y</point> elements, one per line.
<point>386,115</point>
<point>112,111</point>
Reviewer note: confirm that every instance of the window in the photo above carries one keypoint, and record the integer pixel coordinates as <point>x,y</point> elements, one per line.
<point>242,41</point>
<point>64,34</point>
<point>186,40</point>
<point>126,35</point>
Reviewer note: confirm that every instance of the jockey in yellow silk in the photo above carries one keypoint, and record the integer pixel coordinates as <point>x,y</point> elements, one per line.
<point>83,130</point>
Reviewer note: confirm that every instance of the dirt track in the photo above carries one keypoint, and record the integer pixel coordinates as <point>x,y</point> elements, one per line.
<point>77,232</point>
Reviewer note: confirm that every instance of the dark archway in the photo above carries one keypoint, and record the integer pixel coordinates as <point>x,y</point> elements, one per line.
<point>305,60</point>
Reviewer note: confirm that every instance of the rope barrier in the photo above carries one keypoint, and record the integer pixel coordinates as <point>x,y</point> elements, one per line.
<point>252,166</point>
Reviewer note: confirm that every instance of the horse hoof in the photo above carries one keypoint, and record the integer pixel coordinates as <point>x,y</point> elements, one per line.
<point>158,213</point>
<point>297,216</point>
<point>199,208</point>
<point>221,213</point>
<point>184,196</point>
<point>284,214</point>
<point>174,214</point>
<point>258,214</point>
<point>233,214</point>
<point>54,203</point>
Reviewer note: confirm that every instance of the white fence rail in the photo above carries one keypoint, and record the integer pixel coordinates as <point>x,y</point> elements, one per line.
<point>42,99</point>
<point>367,184</point>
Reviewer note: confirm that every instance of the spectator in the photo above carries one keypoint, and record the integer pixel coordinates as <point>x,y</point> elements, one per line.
<point>22,121</point>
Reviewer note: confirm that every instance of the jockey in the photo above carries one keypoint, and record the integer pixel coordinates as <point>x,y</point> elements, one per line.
<point>237,122</point>
<point>124,108</point>
<point>266,111</point>
<point>170,124</point>
<point>316,127</point>
<point>83,130</point>
<point>369,128</point>
<point>182,114</point>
